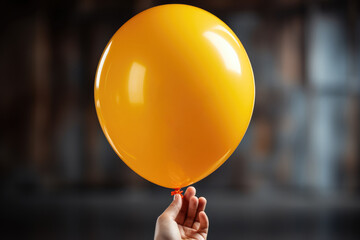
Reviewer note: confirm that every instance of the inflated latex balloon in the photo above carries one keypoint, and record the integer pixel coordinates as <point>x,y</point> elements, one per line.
<point>174,93</point>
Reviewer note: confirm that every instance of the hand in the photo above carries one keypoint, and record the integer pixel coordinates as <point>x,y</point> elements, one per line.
<point>183,219</point>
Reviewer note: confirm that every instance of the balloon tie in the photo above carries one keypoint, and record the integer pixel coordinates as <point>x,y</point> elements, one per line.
<point>177,191</point>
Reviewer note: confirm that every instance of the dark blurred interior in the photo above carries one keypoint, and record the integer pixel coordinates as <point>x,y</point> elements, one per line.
<point>295,175</point>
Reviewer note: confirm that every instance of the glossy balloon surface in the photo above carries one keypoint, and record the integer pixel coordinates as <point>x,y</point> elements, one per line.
<point>174,94</point>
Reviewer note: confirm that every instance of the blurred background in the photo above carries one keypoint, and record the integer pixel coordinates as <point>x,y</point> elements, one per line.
<point>295,175</point>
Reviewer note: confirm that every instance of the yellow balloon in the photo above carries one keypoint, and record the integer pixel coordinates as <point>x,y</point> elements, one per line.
<point>174,94</point>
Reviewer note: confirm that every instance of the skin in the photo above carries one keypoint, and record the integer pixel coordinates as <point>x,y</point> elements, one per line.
<point>183,219</point>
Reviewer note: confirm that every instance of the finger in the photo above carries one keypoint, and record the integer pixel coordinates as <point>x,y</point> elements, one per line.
<point>191,214</point>
<point>201,207</point>
<point>190,191</point>
<point>174,208</point>
<point>204,222</point>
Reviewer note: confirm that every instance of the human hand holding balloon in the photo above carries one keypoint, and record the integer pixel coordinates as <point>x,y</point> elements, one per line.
<point>185,218</point>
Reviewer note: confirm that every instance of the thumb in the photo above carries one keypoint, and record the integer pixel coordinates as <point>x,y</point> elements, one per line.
<point>174,208</point>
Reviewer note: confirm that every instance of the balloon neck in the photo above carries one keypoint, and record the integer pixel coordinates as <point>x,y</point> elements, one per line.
<point>177,191</point>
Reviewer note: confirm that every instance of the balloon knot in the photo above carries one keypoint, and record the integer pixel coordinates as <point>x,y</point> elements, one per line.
<point>177,191</point>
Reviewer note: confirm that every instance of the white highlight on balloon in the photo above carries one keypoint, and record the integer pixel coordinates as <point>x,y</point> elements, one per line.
<point>136,83</point>
<point>228,54</point>
<point>101,64</point>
